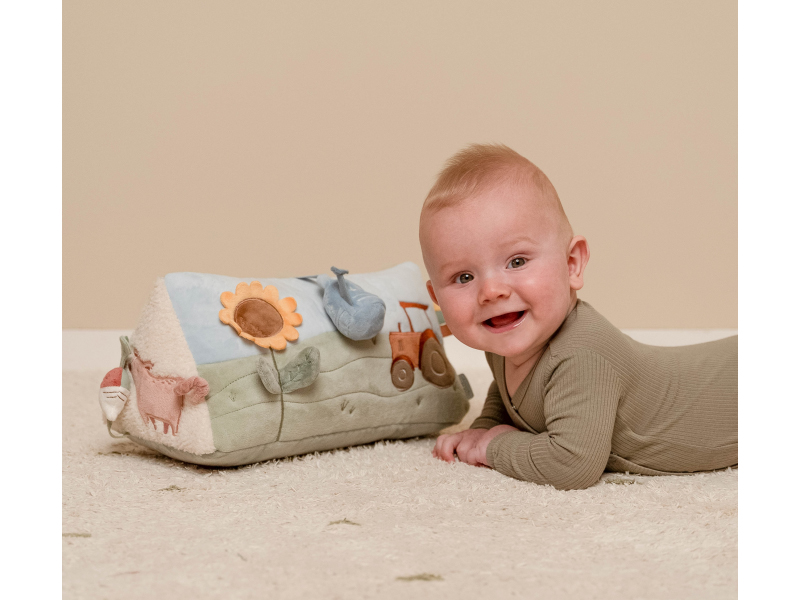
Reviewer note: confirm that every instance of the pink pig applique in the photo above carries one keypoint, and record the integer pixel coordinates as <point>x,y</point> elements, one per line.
<point>162,398</point>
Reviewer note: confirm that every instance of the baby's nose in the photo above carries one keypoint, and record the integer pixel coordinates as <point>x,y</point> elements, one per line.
<point>492,289</point>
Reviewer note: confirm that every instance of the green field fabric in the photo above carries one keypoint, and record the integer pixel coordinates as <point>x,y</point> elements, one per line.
<point>598,400</point>
<point>351,401</point>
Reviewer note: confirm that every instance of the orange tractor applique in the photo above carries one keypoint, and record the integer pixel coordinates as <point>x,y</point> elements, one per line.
<point>414,349</point>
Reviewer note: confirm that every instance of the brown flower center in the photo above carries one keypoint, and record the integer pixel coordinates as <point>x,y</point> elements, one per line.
<point>258,318</point>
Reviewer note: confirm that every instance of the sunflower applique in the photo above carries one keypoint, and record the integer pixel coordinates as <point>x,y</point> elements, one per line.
<point>259,315</point>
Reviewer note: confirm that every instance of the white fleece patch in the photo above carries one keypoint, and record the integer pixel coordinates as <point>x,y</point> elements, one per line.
<point>194,434</point>
<point>158,337</point>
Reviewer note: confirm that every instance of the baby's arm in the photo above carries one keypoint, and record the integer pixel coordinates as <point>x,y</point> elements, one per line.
<point>494,411</point>
<point>471,444</point>
<point>580,407</point>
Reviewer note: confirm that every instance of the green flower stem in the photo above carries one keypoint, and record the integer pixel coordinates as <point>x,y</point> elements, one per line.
<point>275,362</point>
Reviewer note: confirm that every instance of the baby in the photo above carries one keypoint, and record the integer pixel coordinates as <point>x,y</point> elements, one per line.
<point>572,395</point>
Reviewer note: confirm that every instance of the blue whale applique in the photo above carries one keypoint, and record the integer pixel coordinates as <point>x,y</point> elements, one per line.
<point>357,314</point>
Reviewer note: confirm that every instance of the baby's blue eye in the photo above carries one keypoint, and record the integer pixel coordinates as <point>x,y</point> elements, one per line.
<point>464,278</point>
<point>516,263</point>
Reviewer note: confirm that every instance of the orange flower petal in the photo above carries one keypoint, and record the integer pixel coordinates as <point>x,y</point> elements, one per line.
<point>277,342</point>
<point>270,294</point>
<point>293,318</point>
<point>290,333</point>
<point>288,304</point>
<point>227,299</point>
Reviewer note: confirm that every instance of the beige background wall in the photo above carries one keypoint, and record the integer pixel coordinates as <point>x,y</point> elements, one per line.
<point>274,139</point>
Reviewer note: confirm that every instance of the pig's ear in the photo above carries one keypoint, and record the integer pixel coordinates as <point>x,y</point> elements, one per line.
<point>193,389</point>
<point>200,391</point>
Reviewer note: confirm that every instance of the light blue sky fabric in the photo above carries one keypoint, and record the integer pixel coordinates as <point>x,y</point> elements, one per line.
<point>195,298</point>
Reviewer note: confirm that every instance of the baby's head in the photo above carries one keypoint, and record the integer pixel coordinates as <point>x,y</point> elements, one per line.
<point>504,265</point>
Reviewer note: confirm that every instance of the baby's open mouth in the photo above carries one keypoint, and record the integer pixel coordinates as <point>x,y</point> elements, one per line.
<point>505,320</point>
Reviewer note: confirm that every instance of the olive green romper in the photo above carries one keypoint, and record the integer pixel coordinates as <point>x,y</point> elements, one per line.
<point>598,400</point>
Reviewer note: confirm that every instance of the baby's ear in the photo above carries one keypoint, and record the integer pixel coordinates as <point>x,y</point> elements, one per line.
<point>431,293</point>
<point>576,261</point>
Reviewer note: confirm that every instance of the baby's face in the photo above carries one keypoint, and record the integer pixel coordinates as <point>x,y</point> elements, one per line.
<point>499,271</point>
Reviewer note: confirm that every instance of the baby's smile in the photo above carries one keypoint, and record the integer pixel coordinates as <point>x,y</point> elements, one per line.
<point>504,322</point>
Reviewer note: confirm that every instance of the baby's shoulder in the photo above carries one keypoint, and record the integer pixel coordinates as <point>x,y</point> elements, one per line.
<point>586,331</point>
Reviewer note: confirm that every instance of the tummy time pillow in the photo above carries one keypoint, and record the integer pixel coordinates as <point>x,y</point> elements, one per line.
<point>226,371</point>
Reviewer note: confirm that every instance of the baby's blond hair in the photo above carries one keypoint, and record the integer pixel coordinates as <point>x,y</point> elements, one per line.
<point>479,166</point>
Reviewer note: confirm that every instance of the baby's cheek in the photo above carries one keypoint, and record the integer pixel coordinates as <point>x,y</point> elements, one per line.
<point>554,283</point>
<point>463,330</point>
<point>461,319</point>
<point>452,308</point>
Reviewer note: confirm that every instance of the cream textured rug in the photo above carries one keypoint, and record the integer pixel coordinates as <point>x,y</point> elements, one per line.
<point>379,521</point>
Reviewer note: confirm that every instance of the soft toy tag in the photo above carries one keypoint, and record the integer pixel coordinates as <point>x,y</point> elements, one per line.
<point>112,395</point>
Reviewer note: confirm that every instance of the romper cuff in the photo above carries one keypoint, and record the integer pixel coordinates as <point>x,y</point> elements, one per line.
<point>502,446</point>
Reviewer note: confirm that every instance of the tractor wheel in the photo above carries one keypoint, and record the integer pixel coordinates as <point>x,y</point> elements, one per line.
<point>402,373</point>
<point>435,366</point>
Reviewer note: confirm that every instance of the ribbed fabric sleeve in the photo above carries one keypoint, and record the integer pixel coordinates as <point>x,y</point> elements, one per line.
<point>494,412</point>
<point>580,406</point>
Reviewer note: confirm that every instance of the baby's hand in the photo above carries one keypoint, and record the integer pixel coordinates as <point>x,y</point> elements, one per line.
<point>469,445</point>
<point>460,443</point>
